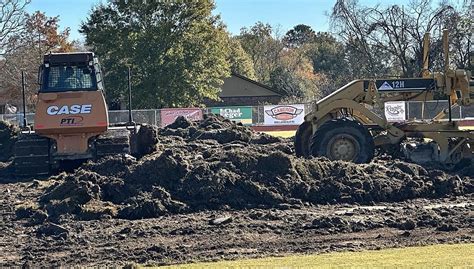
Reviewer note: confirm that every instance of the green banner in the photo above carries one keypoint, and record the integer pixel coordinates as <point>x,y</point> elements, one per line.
<point>241,114</point>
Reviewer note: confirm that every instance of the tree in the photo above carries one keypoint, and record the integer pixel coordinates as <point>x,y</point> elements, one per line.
<point>328,57</point>
<point>24,52</point>
<point>264,48</point>
<point>389,40</point>
<point>43,33</point>
<point>285,68</point>
<point>12,22</point>
<point>300,35</point>
<point>294,77</point>
<point>459,25</point>
<point>177,51</point>
<point>239,60</point>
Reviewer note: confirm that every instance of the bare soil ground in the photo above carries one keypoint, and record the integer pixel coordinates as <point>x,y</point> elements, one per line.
<point>182,238</point>
<point>215,190</point>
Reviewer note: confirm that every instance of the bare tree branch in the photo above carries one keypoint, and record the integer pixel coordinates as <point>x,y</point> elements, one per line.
<point>396,33</point>
<point>12,22</point>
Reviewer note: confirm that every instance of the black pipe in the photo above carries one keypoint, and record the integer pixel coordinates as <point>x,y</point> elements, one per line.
<point>23,86</point>
<point>449,108</point>
<point>130,119</point>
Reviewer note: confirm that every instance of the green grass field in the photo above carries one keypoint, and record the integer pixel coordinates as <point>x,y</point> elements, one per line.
<point>437,256</point>
<point>292,133</point>
<point>282,133</point>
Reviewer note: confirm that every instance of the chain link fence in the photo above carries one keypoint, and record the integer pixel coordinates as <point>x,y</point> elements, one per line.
<point>416,110</point>
<point>149,116</point>
<point>419,110</point>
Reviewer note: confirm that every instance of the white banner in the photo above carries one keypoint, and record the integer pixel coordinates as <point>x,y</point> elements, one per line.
<point>284,114</point>
<point>395,111</point>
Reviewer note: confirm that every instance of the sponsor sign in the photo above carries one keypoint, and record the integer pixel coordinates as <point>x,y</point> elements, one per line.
<point>284,114</point>
<point>169,115</point>
<point>237,114</point>
<point>395,111</point>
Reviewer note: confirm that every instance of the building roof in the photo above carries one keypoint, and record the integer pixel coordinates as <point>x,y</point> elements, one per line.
<point>240,86</point>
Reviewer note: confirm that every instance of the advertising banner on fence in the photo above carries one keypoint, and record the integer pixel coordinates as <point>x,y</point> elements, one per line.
<point>241,114</point>
<point>284,114</point>
<point>395,111</point>
<point>169,115</point>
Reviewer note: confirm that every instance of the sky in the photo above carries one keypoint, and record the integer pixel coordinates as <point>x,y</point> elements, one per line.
<point>284,14</point>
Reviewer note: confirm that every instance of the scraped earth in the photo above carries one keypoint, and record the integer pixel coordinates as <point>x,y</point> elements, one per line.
<point>216,190</point>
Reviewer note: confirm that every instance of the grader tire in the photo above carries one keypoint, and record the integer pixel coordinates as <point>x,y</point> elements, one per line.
<point>303,139</point>
<point>343,139</point>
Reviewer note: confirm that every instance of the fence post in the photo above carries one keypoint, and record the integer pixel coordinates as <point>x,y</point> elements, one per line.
<point>258,115</point>
<point>408,110</point>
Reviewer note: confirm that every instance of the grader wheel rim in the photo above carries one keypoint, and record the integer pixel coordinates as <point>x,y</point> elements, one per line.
<point>343,147</point>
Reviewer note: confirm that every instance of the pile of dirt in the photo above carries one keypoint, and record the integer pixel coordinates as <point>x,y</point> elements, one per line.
<point>8,137</point>
<point>215,164</point>
<point>217,128</point>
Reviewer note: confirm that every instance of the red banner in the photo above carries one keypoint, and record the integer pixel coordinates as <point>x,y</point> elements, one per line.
<point>169,115</point>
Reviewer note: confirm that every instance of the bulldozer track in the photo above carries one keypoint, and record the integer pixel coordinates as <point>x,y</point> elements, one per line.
<point>112,143</point>
<point>33,152</point>
<point>32,156</point>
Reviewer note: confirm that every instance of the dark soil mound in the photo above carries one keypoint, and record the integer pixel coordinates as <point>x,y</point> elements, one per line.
<point>215,164</point>
<point>214,127</point>
<point>144,141</point>
<point>8,137</point>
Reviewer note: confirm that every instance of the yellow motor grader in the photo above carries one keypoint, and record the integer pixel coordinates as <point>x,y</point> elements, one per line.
<point>71,120</point>
<point>345,125</point>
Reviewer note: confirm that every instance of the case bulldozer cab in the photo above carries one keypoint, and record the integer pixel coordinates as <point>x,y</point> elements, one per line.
<point>71,119</point>
<point>71,107</point>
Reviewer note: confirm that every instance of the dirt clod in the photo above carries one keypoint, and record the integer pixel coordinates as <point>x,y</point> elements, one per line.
<point>407,225</point>
<point>52,229</point>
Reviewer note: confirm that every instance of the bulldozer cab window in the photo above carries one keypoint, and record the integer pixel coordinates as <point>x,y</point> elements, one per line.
<point>67,78</point>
